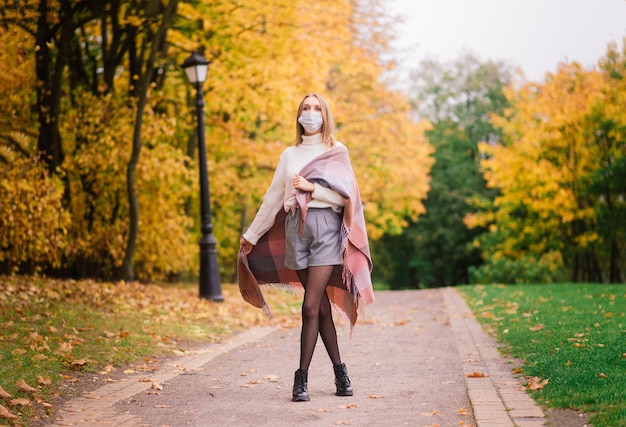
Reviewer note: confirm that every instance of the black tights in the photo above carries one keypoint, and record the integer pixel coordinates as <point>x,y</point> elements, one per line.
<point>317,316</point>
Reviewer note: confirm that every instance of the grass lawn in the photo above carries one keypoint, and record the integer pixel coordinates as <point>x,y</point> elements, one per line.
<point>571,335</point>
<point>55,334</point>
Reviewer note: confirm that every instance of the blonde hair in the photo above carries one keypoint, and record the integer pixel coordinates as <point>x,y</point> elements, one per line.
<point>328,123</point>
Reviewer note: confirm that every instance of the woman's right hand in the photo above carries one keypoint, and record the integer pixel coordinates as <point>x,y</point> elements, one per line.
<point>245,245</point>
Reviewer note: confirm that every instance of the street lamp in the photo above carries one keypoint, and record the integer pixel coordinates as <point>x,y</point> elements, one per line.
<point>210,287</point>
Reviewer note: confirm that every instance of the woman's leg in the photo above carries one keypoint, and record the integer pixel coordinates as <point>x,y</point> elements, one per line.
<point>328,331</point>
<point>316,314</point>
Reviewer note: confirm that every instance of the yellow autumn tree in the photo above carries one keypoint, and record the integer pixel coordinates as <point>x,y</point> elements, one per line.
<point>263,55</point>
<point>546,217</point>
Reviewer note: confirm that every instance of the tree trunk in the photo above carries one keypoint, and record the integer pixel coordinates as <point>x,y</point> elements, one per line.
<point>127,272</point>
<point>49,139</point>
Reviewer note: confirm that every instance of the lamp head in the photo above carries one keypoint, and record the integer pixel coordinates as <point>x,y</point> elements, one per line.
<point>196,68</point>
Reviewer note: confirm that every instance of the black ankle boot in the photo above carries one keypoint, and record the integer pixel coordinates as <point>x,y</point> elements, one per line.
<point>342,381</point>
<point>300,386</point>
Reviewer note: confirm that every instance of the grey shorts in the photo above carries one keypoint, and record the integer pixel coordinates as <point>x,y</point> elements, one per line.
<point>321,242</point>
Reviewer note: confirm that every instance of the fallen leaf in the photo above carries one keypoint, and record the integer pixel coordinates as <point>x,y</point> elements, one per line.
<point>6,414</point>
<point>123,333</point>
<point>322,410</point>
<point>156,386</point>
<point>161,406</point>
<point>475,375</point>
<point>535,383</point>
<point>178,352</point>
<point>21,384</point>
<point>255,382</point>
<point>373,396</point>
<point>44,380</point>
<point>21,402</point>
<point>40,357</point>
<point>430,414</point>
<point>341,423</point>
<point>463,411</point>
<point>19,352</point>
<point>271,378</point>
<point>349,406</point>
<point>537,327</point>
<point>107,370</point>
<point>4,394</point>
<point>79,362</point>
<point>601,375</point>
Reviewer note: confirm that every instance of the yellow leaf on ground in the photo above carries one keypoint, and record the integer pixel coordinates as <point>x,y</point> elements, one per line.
<point>20,401</point>
<point>6,414</point>
<point>21,384</point>
<point>4,394</point>
<point>475,374</point>
<point>463,411</point>
<point>349,406</point>
<point>430,414</point>
<point>536,383</point>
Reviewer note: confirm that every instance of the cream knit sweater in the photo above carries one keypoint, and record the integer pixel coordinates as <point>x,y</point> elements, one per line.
<point>281,192</point>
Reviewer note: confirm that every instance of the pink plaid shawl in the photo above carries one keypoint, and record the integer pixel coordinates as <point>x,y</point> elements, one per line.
<point>350,289</point>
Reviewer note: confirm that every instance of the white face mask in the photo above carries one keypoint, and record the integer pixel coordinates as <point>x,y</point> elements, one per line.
<point>311,121</point>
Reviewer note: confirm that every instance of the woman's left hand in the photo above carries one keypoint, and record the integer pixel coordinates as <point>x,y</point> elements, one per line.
<point>300,183</point>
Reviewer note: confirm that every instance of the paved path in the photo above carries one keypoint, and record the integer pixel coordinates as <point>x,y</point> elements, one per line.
<point>408,360</point>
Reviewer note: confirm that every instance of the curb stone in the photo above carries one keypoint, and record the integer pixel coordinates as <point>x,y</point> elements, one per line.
<point>498,399</point>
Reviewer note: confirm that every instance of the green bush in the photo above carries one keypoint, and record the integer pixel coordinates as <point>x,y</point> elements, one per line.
<point>523,270</point>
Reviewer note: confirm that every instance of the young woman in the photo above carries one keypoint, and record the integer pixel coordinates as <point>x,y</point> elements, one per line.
<point>324,236</point>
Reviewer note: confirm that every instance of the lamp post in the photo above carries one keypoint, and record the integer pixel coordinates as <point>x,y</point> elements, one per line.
<point>210,287</point>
